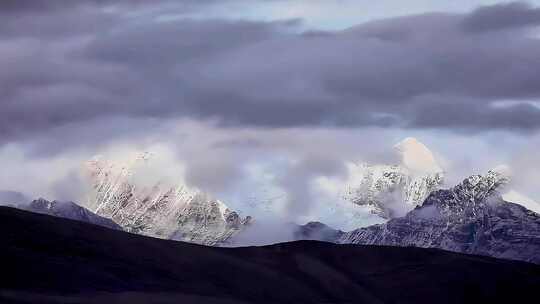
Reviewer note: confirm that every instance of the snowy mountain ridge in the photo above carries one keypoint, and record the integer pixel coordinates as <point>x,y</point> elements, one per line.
<point>471,217</point>
<point>160,210</point>
<point>392,190</point>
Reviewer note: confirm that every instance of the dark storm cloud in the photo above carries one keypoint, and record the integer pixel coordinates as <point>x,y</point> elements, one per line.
<point>502,16</point>
<point>49,19</point>
<point>376,74</point>
<point>166,44</point>
<point>22,6</point>
<point>79,63</point>
<point>472,114</point>
<point>12,6</point>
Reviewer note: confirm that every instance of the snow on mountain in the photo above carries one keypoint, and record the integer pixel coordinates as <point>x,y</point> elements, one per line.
<point>392,190</point>
<point>159,210</point>
<point>471,217</point>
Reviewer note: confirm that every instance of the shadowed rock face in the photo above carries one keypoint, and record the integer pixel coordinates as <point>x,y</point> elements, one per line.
<point>470,218</point>
<point>316,231</point>
<point>81,263</point>
<point>68,210</point>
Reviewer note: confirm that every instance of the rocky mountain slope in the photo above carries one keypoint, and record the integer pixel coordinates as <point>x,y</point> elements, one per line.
<point>316,231</point>
<point>392,190</point>
<point>82,263</point>
<point>67,210</point>
<point>159,210</point>
<point>471,218</point>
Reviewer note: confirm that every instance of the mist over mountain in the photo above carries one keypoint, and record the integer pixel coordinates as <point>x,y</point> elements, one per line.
<point>132,195</point>
<point>392,190</point>
<point>13,198</point>
<point>471,217</point>
<point>256,151</point>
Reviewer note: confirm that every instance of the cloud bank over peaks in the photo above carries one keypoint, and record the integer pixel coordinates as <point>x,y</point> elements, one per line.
<point>432,71</point>
<point>518,198</point>
<point>508,188</point>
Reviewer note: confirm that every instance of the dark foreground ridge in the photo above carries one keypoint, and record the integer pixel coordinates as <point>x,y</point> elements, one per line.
<point>47,259</point>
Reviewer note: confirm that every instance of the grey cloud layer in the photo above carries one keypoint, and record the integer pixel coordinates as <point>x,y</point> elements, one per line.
<point>82,63</point>
<point>502,16</point>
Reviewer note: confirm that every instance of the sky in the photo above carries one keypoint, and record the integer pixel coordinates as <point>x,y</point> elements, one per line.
<point>263,99</point>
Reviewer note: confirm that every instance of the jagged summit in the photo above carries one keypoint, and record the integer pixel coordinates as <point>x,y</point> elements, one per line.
<point>471,217</point>
<point>473,189</point>
<point>482,186</point>
<point>161,210</point>
<point>392,190</point>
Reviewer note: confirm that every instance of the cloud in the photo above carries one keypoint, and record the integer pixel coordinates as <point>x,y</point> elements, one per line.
<point>39,6</point>
<point>392,73</point>
<point>502,16</point>
<point>12,198</point>
<point>229,95</point>
<point>294,173</point>
<point>424,71</point>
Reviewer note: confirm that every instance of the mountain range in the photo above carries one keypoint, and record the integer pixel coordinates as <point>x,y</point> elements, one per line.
<point>471,217</point>
<point>47,259</point>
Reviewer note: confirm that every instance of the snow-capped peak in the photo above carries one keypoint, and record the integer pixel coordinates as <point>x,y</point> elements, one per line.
<point>416,157</point>
<point>125,194</point>
<point>392,190</point>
